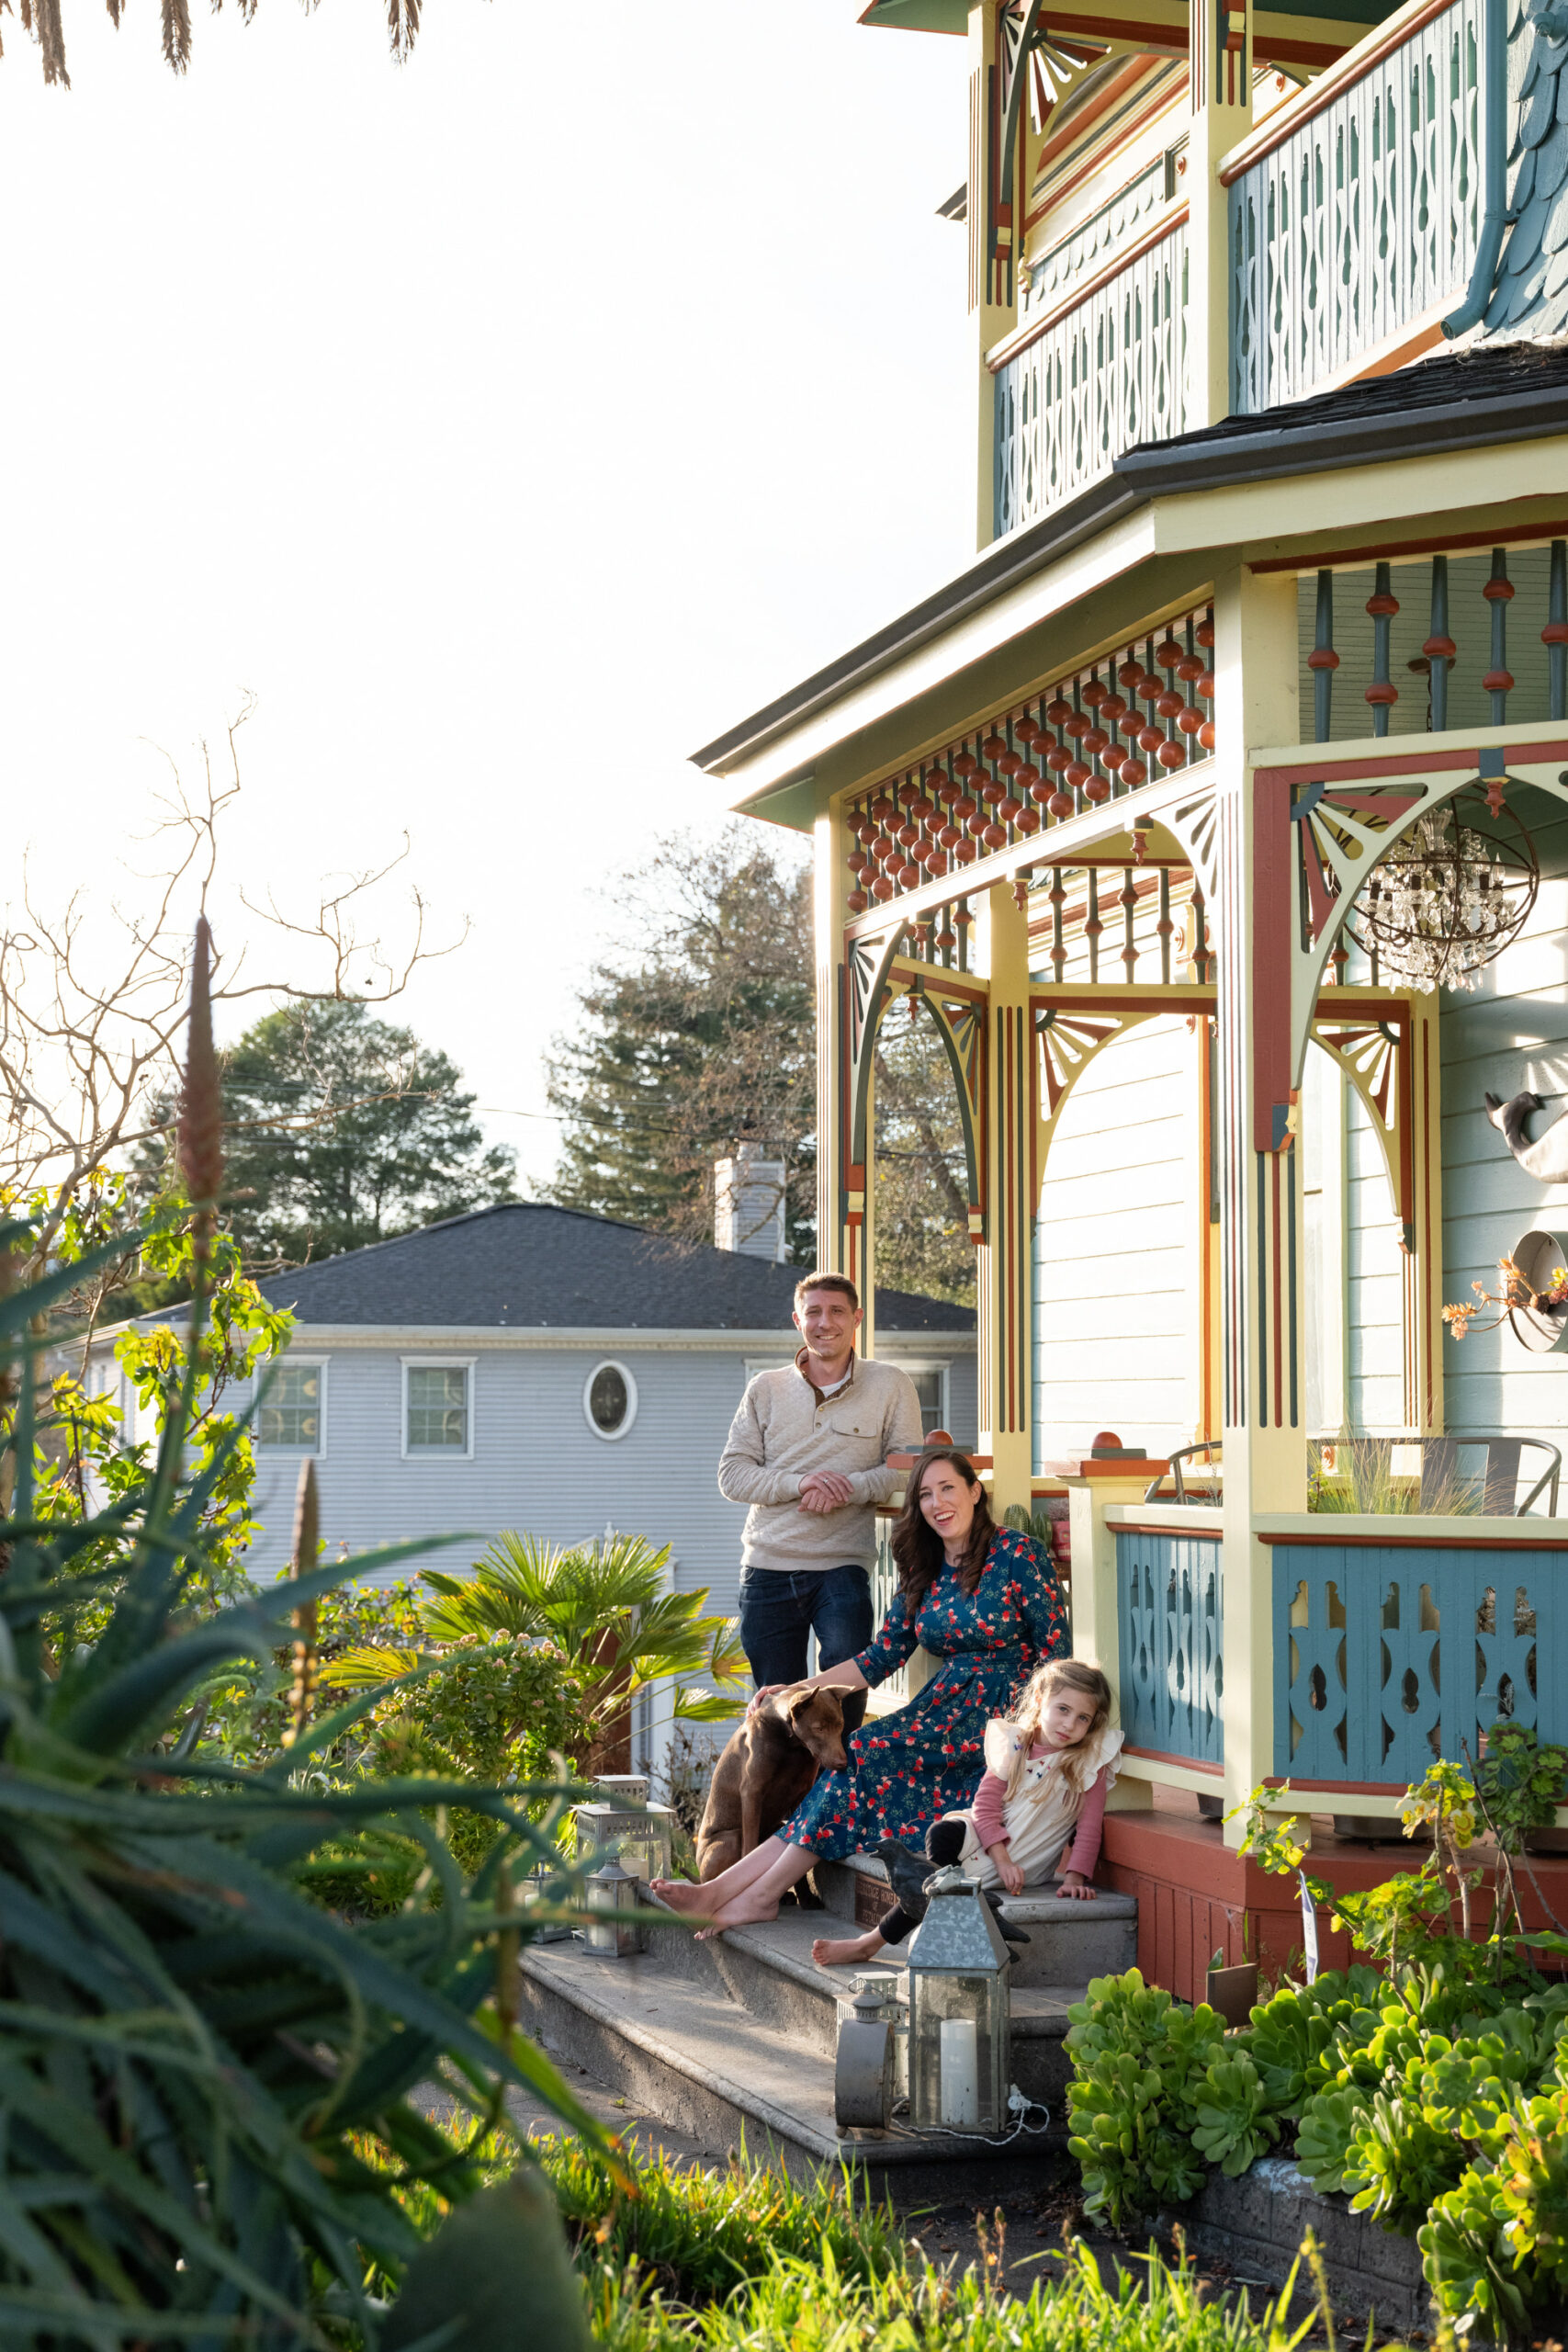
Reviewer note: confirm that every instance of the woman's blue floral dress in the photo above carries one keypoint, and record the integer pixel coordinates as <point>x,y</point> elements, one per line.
<point>908,1769</point>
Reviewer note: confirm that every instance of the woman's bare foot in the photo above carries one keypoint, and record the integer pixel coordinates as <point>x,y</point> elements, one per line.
<point>680,1894</point>
<point>842,1951</point>
<point>744,1910</point>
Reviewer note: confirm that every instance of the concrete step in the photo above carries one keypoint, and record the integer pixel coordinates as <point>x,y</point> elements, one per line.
<point>1068,1941</point>
<point>768,1971</point>
<point>680,2044</point>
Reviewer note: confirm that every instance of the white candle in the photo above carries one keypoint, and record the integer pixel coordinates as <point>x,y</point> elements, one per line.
<point>960,2073</point>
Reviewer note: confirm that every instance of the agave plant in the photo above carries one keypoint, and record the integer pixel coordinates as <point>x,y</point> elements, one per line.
<point>208,2110</point>
<point>605,1606</point>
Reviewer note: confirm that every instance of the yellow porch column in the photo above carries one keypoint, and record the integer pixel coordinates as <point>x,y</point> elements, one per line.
<point>1219,67</point>
<point>991,272</point>
<point>827,926</point>
<point>1263,1256</point>
<point>1004,1269</point>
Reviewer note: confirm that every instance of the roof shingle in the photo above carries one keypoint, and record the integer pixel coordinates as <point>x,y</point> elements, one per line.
<point>536,1267</point>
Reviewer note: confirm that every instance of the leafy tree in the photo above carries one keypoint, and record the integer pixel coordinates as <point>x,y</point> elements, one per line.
<point>700,1039</point>
<point>341,1129</point>
<point>922,1184</point>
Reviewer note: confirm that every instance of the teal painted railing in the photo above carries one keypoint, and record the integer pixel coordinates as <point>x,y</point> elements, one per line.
<point>1366,217</point>
<point>1104,373</point>
<point>1171,1642</point>
<point>1387,1657</point>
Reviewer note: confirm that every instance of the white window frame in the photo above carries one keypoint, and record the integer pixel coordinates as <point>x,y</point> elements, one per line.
<point>611,1363</point>
<point>302,1452</point>
<point>437,1363</point>
<point>942,1367</point>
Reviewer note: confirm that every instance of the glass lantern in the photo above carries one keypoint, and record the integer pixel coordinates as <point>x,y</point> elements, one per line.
<point>960,2038</point>
<point>639,1833</point>
<point>887,1984</point>
<point>611,1898</point>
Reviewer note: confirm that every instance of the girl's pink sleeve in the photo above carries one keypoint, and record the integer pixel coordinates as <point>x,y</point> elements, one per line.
<point>989,1799</point>
<point>1086,1845</point>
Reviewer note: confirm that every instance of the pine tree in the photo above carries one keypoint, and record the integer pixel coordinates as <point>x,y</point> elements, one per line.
<point>699,1040</point>
<point>340,1129</point>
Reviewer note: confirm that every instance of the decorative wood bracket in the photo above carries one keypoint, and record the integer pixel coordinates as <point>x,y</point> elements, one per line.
<point>1320,826</point>
<point>1372,1045</point>
<point>867,964</point>
<point>1067,1038</point>
<point>960,1010</point>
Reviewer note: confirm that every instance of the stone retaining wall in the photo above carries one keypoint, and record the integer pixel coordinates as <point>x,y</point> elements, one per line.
<point>1257,2224</point>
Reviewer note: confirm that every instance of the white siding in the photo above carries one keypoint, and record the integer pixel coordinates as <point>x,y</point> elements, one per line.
<point>1115,1318</point>
<point>1509,1036</point>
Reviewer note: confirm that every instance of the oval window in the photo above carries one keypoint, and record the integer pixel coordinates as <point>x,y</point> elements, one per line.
<point>609,1400</point>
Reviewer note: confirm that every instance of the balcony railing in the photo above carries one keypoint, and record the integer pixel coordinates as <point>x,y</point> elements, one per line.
<point>1358,212</point>
<point>1171,1637</point>
<point>1103,370</point>
<point>1386,1658</point>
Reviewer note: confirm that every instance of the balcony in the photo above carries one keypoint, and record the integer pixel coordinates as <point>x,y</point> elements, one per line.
<point>1357,212</point>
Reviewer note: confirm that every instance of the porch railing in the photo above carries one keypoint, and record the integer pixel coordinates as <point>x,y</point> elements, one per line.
<point>1105,369</point>
<point>1357,211</point>
<point>1171,1643</point>
<point>1386,1656</point>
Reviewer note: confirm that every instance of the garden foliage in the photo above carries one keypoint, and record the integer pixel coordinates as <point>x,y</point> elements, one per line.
<point>1435,2096</point>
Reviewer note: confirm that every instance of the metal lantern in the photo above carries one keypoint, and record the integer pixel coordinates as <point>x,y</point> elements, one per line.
<point>863,2069</point>
<point>640,1835</point>
<point>612,1897</point>
<point>959,2039</point>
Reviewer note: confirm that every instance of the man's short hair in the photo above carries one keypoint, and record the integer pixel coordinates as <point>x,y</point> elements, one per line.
<point>825,1282</point>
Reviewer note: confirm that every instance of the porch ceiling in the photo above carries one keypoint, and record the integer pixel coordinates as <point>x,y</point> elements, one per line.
<point>1414,448</point>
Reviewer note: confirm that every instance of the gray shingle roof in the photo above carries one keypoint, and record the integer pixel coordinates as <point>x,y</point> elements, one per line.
<point>537,1267</point>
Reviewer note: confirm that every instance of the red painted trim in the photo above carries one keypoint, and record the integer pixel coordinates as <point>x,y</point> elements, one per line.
<point>1381,1542</point>
<point>1197,1534</point>
<point>1426,1269</point>
<point>1320,771</point>
<point>1334,1788</point>
<point>1357,63</point>
<point>1187,1763</point>
<point>1521,535</point>
<point>1271,928</point>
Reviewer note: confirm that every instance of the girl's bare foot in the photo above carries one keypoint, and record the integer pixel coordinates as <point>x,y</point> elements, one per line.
<point>680,1894</point>
<point>842,1951</point>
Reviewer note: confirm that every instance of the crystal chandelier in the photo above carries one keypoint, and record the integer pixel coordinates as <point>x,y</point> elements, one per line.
<point>1447,897</point>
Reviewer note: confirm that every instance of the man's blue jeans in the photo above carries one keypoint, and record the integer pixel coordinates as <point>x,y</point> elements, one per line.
<point>779,1607</point>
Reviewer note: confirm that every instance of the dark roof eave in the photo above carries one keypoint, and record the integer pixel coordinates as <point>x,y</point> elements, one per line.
<point>992,573</point>
<point>1219,457</point>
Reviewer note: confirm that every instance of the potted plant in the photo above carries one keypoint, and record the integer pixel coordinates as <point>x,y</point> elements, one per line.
<point>1522,1784</point>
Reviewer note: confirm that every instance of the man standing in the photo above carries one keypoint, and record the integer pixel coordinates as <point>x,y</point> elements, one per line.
<point>807,1450</point>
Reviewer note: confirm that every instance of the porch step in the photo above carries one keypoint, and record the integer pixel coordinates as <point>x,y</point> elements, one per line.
<point>744,2051</point>
<point>1068,1942</point>
<point>737,2037</point>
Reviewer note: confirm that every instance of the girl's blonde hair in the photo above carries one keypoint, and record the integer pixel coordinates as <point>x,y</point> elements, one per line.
<point>1029,1718</point>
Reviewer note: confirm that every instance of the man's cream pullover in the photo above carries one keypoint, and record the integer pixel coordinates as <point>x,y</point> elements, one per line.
<point>784,1431</point>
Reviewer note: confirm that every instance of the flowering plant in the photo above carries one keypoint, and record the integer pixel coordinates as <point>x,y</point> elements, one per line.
<point>1516,1293</point>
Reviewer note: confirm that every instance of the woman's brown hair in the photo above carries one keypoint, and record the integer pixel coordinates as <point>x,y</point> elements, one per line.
<point>917,1547</point>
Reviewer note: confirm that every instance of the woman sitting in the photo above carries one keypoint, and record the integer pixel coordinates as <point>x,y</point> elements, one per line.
<point>985,1601</point>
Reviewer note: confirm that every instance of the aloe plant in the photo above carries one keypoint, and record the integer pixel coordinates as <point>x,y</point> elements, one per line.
<point>208,2112</point>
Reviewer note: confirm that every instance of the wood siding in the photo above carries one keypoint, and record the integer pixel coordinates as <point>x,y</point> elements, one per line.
<point>1113,1280</point>
<point>536,1465</point>
<point>1510,1035</point>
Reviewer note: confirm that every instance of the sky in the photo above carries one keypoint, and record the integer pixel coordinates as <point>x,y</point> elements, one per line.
<point>508,424</point>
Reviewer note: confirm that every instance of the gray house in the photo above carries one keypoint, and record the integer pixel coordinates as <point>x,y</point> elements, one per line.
<point>536,1368</point>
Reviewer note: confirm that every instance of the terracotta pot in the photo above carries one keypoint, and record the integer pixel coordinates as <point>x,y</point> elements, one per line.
<point>1232,1992</point>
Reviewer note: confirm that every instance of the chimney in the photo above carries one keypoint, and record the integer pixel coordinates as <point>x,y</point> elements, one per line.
<point>749,1205</point>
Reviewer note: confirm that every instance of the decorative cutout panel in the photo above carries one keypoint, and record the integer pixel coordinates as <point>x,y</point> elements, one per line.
<point>1171,1644</point>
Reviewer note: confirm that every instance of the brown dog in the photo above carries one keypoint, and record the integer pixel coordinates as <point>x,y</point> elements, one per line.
<point>765,1769</point>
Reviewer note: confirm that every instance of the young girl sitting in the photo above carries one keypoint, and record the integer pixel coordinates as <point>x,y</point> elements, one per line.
<point>1047,1774</point>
